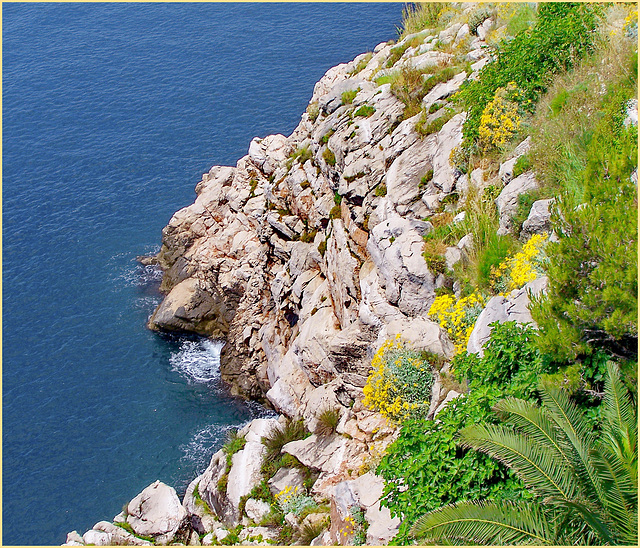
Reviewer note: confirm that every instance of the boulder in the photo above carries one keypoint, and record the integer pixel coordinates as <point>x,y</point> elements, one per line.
<point>507,201</point>
<point>156,512</point>
<point>244,474</point>
<point>256,509</point>
<point>97,538</point>
<point>420,334</point>
<point>192,305</point>
<point>538,221</point>
<point>449,137</point>
<point>286,477</point>
<point>396,246</point>
<point>514,307</point>
<point>119,536</point>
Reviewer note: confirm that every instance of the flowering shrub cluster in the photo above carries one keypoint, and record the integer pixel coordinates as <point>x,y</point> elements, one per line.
<point>500,118</point>
<point>522,268</point>
<point>457,317</point>
<point>399,385</point>
<point>294,500</point>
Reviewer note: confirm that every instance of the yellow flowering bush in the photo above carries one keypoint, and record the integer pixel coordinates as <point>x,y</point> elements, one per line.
<point>294,500</point>
<point>521,268</point>
<point>500,118</point>
<point>399,385</point>
<point>457,316</point>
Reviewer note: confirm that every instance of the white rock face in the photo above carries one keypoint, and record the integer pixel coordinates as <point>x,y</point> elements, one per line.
<point>256,509</point>
<point>245,473</point>
<point>363,492</point>
<point>500,309</point>
<point>538,221</point>
<point>507,202</point>
<point>395,247</point>
<point>449,137</point>
<point>156,512</point>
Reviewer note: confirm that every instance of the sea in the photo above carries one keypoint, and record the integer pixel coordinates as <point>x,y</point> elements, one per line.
<point>111,112</point>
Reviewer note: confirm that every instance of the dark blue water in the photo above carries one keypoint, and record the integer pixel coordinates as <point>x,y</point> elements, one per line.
<point>111,113</point>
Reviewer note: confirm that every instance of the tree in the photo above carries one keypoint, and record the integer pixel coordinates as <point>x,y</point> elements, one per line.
<point>585,483</point>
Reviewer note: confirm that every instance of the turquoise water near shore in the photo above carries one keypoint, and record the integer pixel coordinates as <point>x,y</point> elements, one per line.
<point>111,113</point>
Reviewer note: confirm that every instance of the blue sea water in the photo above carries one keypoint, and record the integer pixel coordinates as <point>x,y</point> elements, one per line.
<point>111,113</point>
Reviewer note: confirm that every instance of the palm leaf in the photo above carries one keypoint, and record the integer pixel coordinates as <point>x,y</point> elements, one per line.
<point>486,523</point>
<point>621,419</point>
<point>542,471</point>
<point>532,421</point>
<point>577,435</point>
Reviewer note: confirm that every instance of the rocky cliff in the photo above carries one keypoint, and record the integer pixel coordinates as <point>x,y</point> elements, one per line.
<point>304,258</point>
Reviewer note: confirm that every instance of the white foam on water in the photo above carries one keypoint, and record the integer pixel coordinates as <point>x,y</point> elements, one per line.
<point>198,361</point>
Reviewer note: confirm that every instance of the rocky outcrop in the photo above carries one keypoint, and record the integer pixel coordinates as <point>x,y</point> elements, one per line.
<point>304,258</point>
<point>512,308</point>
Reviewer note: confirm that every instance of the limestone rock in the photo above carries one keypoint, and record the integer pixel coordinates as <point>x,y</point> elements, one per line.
<point>449,137</point>
<point>507,201</point>
<point>256,509</point>
<point>538,221</point>
<point>191,306</point>
<point>120,537</point>
<point>97,538</point>
<point>515,307</point>
<point>244,474</point>
<point>395,246</point>
<point>420,334</point>
<point>286,477</point>
<point>156,512</point>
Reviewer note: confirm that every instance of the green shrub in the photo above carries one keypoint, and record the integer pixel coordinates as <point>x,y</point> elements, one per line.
<point>322,247</point>
<point>434,107</point>
<point>563,33</point>
<point>328,420</point>
<point>433,254</point>
<point>424,128</point>
<point>591,300</point>
<point>325,138</point>
<point>329,157</point>
<point>281,434</point>
<point>364,110</point>
<point>349,95</point>
<point>399,385</point>
<point>426,178</point>
<point>511,358</point>
<point>294,500</point>
<point>381,190</point>
<point>313,110</point>
<point>424,469</point>
<point>336,212</point>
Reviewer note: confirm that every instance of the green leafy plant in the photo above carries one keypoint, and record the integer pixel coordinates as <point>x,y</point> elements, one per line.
<point>563,33</point>
<point>585,484</point>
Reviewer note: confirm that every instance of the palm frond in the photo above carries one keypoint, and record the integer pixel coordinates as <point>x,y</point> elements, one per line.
<point>542,471</point>
<point>532,421</point>
<point>577,433</point>
<point>485,523</point>
<point>621,421</point>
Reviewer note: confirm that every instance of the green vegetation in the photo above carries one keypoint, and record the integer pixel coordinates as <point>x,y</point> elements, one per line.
<point>281,434</point>
<point>381,190</point>
<point>364,110</point>
<point>233,444</point>
<point>329,156</point>
<point>563,33</point>
<point>424,128</point>
<point>584,484</point>
<point>399,385</point>
<point>349,95</point>
<point>328,420</point>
